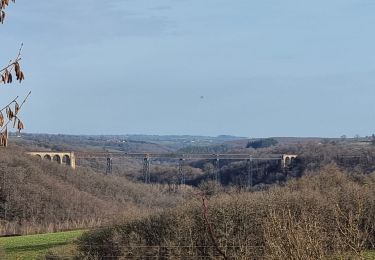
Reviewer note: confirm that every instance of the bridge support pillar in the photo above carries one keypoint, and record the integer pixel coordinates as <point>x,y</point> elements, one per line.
<point>250,172</point>
<point>72,161</point>
<point>146,169</point>
<point>109,166</point>
<point>217,170</point>
<point>181,172</point>
<point>287,159</point>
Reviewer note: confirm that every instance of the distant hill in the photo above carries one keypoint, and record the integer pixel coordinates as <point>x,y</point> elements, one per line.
<point>124,143</point>
<point>85,143</point>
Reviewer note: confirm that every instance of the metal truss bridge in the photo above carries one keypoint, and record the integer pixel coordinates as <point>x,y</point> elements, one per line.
<point>284,159</point>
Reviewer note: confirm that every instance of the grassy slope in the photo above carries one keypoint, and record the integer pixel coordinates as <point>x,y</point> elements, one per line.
<point>370,255</point>
<point>30,247</point>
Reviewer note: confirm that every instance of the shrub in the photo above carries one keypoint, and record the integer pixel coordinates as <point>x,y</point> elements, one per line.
<point>323,215</point>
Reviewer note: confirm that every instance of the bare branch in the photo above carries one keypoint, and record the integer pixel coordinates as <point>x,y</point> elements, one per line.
<point>210,228</point>
<point>6,72</point>
<point>15,116</point>
<point>10,103</point>
<point>6,76</point>
<point>11,63</point>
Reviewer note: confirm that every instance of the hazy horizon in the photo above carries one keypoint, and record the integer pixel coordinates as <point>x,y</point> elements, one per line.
<point>196,135</point>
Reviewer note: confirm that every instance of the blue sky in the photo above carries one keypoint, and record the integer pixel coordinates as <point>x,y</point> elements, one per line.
<point>264,68</point>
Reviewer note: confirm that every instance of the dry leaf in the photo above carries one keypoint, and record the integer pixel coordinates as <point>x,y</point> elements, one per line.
<point>10,78</point>
<point>16,108</point>
<point>1,119</point>
<point>10,113</point>
<point>20,125</point>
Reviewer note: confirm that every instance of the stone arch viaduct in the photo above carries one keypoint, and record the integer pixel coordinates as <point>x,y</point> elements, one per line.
<point>287,159</point>
<point>67,158</point>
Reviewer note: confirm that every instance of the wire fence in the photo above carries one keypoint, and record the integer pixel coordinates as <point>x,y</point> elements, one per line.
<point>150,252</point>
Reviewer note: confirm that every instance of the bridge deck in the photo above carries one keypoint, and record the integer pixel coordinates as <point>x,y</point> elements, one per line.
<point>183,156</point>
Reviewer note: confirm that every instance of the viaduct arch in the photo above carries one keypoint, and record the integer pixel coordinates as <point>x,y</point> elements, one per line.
<point>64,158</point>
<point>287,159</point>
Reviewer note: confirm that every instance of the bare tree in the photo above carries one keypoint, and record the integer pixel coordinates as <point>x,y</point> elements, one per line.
<point>9,73</point>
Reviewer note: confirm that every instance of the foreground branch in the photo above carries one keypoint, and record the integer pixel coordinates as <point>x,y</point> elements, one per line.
<point>12,116</point>
<point>6,72</point>
<point>210,229</point>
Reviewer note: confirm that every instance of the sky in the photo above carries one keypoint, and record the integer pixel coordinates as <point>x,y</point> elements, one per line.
<point>201,67</point>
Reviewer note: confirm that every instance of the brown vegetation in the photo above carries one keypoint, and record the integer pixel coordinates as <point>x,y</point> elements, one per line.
<point>322,215</point>
<point>39,196</point>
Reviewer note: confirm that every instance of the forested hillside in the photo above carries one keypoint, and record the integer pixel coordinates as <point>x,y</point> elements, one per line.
<point>39,196</point>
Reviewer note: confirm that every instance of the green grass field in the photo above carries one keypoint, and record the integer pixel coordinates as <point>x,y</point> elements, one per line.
<point>370,255</point>
<point>34,246</point>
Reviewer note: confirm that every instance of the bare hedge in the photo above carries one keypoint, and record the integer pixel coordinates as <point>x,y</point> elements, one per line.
<point>322,215</point>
